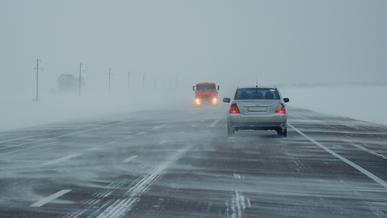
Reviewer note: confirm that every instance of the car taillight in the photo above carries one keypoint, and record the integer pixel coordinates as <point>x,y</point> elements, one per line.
<point>282,110</point>
<point>234,109</point>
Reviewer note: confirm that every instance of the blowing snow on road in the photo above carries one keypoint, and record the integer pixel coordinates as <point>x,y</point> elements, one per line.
<point>187,167</point>
<point>193,109</point>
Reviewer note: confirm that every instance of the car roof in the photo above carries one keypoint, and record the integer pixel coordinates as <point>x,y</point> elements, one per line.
<point>254,87</point>
<point>206,83</point>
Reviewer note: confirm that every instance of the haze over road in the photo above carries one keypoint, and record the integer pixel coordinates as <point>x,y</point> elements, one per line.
<point>97,116</point>
<point>175,163</point>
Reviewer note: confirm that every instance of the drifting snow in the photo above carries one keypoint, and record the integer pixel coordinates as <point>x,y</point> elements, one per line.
<point>18,111</point>
<point>359,102</point>
<point>366,103</point>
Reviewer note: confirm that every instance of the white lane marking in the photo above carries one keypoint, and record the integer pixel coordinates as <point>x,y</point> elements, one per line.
<point>127,160</point>
<point>365,149</point>
<point>50,198</point>
<point>121,206</point>
<point>248,202</point>
<point>163,142</point>
<point>159,127</point>
<point>68,157</point>
<point>238,204</point>
<point>345,160</point>
<point>213,124</point>
<point>237,176</point>
<point>141,133</point>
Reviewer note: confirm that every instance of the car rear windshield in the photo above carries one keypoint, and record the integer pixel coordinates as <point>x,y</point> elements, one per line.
<point>205,87</point>
<point>257,93</point>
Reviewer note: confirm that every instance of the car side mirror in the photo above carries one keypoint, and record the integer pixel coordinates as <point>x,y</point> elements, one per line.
<point>286,100</point>
<point>193,88</point>
<point>218,87</point>
<point>226,100</point>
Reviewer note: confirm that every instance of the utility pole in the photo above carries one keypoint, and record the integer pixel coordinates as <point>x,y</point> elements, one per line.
<point>110,71</point>
<point>80,79</point>
<point>143,80</point>
<point>128,80</point>
<point>37,80</point>
<point>177,81</point>
<point>256,81</point>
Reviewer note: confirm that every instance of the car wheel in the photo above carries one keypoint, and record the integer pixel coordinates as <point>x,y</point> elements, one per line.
<point>282,131</point>
<point>285,132</point>
<point>279,131</point>
<point>230,131</point>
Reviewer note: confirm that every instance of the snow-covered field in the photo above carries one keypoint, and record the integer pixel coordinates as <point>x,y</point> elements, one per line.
<point>19,110</point>
<point>360,102</point>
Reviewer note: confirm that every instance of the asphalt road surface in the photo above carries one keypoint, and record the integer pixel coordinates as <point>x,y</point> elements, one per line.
<point>174,163</point>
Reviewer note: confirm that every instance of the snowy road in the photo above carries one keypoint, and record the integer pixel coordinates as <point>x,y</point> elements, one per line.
<point>181,164</point>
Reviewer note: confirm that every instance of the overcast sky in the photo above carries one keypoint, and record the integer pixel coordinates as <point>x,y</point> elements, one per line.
<point>276,41</point>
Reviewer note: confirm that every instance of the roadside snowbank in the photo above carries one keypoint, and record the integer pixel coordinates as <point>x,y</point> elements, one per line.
<point>365,103</point>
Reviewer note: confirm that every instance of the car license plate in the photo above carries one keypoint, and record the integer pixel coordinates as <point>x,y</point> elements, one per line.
<point>257,109</point>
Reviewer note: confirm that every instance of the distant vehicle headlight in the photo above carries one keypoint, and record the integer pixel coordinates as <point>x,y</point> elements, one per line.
<point>215,100</point>
<point>197,101</point>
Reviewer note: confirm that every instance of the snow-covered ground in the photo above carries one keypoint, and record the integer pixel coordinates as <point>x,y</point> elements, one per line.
<point>368,103</point>
<point>19,110</point>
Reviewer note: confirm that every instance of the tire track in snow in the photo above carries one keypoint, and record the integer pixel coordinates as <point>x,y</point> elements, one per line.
<point>121,206</point>
<point>91,204</point>
<point>159,127</point>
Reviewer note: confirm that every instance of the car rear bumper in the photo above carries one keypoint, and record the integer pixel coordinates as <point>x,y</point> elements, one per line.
<point>271,121</point>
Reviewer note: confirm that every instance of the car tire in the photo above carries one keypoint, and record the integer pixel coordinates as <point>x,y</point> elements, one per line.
<point>282,131</point>
<point>285,132</point>
<point>279,131</point>
<point>230,131</point>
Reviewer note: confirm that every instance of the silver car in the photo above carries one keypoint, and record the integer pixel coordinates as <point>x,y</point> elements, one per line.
<point>257,108</point>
